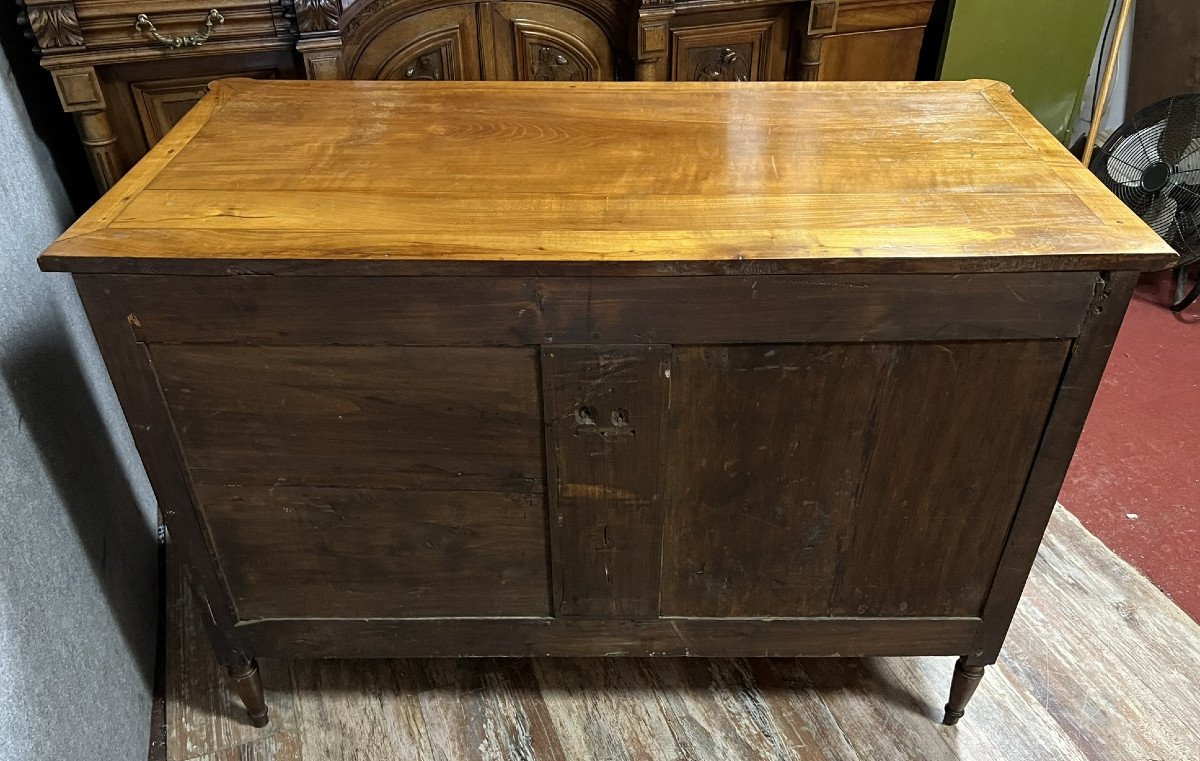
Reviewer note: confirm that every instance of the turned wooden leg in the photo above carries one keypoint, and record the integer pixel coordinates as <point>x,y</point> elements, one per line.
<point>249,688</point>
<point>966,679</point>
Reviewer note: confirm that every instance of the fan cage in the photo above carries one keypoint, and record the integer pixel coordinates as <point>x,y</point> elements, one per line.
<point>1152,163</point>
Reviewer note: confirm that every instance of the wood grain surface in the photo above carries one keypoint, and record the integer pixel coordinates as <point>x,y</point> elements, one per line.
<point>1100,666</point>
<point>490,311</point>
<point>414,417</point>
<point>605,414</point>
<point>930,176</point>
<point>821,456</point>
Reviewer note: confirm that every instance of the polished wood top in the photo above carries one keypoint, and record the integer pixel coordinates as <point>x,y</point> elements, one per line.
<point>621,178</point>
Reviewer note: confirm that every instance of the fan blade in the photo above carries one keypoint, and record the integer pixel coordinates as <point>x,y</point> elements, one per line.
<point>1146,142</point>
<point>1120,171</point>
<point>1130,156</point>
<point>1181,126</point>
<point>1161,216</point>
<point>1188,169</point>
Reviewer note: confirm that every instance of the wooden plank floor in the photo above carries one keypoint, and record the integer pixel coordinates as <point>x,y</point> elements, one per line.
<point>1099,665</point>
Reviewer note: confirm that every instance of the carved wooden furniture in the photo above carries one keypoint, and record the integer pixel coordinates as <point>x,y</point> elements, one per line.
<point>520,369</point>
<point>129,69</point>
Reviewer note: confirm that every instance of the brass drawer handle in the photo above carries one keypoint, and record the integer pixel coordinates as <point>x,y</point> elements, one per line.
<point>146,27</point>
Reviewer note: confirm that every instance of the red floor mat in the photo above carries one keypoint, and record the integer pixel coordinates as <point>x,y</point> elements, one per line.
<point>1135,479</point>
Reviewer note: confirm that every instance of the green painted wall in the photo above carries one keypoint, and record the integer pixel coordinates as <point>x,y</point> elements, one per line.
<point>1043,48</point>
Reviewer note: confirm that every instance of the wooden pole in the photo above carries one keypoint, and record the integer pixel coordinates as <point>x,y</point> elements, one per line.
<point>1101,104</point>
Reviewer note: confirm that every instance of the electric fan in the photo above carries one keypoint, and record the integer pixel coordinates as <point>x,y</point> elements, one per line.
<point>1152,163</point>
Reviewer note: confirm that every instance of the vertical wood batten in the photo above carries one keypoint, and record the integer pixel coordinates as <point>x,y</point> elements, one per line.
<point>1078,386</point>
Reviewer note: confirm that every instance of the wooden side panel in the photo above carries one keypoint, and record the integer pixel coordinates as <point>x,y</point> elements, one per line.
<point>605,424</point>
<point>848,480</point>
<point>1089,354</point>
<point>356,416</point>
<point>890,54</point>
<point>306,551</point>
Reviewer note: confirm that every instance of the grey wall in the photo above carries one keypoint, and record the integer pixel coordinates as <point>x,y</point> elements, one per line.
<point>78,599</point>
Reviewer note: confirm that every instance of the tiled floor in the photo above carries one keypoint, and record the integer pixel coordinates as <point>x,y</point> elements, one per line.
<point>1099,666</point>
<point>1135,479</point>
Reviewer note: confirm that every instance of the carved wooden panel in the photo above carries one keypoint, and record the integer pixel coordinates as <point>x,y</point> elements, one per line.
<point>432,57</point>
<point>734,51</point>
<point>436,45</point>
<point>720,63</point>
<point>539,41</point>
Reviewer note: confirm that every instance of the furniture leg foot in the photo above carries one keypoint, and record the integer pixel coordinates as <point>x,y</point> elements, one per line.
<point>248,684</point>
<point>966,679</point>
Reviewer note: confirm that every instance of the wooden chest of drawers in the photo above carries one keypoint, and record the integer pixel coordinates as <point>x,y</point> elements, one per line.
<point>518,369</point>
<point>129,69</point>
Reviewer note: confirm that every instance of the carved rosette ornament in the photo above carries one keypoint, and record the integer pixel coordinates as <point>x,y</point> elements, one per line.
<point>722,65</point>
<point>317,15</point>
<point>426,68</point>
<point>54,25</point>
<point>551,64</point>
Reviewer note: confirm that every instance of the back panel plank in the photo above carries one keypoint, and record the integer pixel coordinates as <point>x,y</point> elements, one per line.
<point>302,551</point>
<point>605,421</point>
<point>616,310</point>
<point>369,416</point>
<point>848,480</point>
<point>589,637</point>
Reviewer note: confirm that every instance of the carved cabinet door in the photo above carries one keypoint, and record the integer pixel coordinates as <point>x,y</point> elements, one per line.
<point>539,41</point>
<point>748,46</point>
<point>440,44</point>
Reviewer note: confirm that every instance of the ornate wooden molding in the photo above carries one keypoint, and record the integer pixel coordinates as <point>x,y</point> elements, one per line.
<point>317,15</point>
<point>54,25</point>
<point>363,11</point>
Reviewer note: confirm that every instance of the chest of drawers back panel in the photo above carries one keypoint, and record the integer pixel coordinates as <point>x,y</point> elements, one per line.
<point>650,372</point>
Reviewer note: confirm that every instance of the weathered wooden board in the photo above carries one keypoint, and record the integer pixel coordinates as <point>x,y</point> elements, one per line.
<point>390,417</point>
<point>605,430</point>
<point>301,551</point>
<point>463,311</point>
<point>819,456</point>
